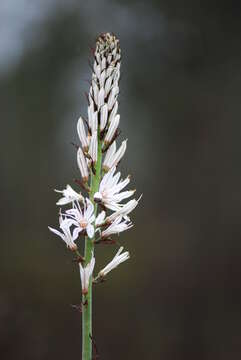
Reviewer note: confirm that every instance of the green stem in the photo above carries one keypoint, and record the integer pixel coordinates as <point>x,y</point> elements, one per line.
<point>89,248</point>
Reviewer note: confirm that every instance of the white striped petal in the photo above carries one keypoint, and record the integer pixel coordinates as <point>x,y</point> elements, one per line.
<point>112,129</point>
<point>82,134</point>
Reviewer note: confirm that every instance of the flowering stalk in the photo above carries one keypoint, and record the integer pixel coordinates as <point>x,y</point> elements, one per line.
<point>105,191</point>
<point>89,248</point>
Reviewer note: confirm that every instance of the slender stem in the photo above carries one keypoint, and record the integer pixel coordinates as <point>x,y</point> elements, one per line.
<point>89,248</point>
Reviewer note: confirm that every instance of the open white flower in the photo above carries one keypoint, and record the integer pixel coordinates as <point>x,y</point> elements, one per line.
<point>110,193</point>
<point>116,227</point>
<point>85,274</point>
<point>117,260</point>
<point>124,210</point>
<point>82,219</point>
<point>69,195</point>
<point>66,235</point>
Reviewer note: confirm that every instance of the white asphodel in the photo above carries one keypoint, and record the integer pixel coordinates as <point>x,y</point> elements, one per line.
<point>117,260</point>
<point>66,235</point>
<point>109,193</point>
<point>82,219</point>
<point>85,274</point>
<point>117,226</point>
<point>69,195</point>
<point>113,157</point>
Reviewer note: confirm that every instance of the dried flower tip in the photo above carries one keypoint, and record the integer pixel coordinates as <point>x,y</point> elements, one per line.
<point>81,160</point>
<point>69,195</point>
<point>108,45</point>
<point>82,134</point>
<point>85,274</point>
<point>116,261</point>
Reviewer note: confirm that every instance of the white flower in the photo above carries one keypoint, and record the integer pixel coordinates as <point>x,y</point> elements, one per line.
<point>93,150</point>
<point>95,91</point>
<point>102,77</point>
<point>100,218</point>
<point>94,122</point>
<point>66,234</point>
<point>101,97</point>
<point>109,190</point>
<point>117,260</point>
<point>124,210</point>
<point>116,227</point>
<point>112,97</point>
<point>113,157</point>
<point>85,274</point>
<point>69,195</point>
<point>90,112</point>
<point>103,117</point>
<point>82,219</point>
<point>82,134</point>
<point>112,129</point>
<point>113,112</point>
<point>81,160</point>
<point>108,157</point>
<point>108,85</point>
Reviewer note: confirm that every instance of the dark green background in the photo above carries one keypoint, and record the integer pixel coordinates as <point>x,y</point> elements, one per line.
<point>179,296</point>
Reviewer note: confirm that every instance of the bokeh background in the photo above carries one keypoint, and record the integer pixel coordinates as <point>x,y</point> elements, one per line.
<point>179,297</point>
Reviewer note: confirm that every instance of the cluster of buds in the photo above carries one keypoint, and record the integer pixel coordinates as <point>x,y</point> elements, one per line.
<point>98,135</point>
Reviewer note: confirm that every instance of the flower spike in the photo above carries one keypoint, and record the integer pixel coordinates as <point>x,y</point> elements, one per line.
<point>105,207</point>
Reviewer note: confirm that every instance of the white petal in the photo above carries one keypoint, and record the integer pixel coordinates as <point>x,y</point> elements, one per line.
<point>90,231</point>
<point>101,97</point>
<point>56,232</point>
<point>100,218</point>
<point>103,117</point>
<point>63,201</point>
<point>76,232</point>
<point>82,133</point>
<point>112,129</point>
<point>90,209</point>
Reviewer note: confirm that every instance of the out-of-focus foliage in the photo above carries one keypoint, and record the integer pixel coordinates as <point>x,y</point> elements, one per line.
<point>179,296</point>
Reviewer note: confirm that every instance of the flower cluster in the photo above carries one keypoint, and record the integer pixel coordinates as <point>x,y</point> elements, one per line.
<point>99,177</point>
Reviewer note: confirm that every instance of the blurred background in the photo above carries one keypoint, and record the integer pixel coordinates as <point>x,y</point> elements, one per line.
<point>179,297</point>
